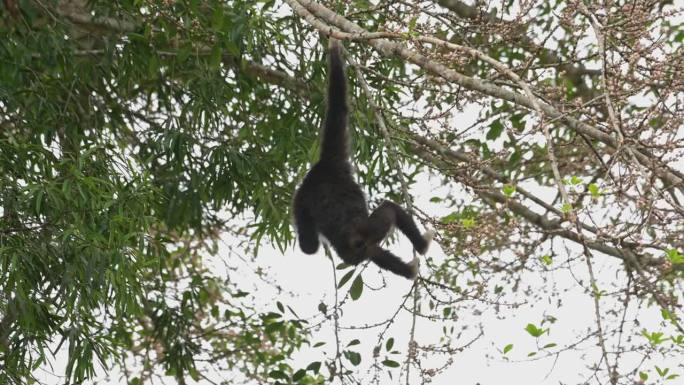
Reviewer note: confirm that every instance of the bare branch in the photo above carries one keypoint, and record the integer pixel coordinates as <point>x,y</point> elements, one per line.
<point>390,48</point>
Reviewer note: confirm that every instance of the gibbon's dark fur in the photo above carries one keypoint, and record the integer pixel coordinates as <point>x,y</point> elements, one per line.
<point>331,203</point>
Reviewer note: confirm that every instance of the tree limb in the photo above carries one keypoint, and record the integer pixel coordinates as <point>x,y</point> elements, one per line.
<point>671,177</point>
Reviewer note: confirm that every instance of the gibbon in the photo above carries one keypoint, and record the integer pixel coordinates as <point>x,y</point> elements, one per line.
<point>329,202</point>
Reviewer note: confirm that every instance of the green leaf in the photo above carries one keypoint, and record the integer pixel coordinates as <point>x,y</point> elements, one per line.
<point>534,331</point>
<point>39,202</point>
<point>446,312</point>
<point>216,56</point>
<point>353,342</point>
<point>217,19</point>
<point>507,348</point>
<point>662,372</point>
<point>412,23</point>
<point>194,374</point>
<point>594,190</point>
<point>389,344</point>
<point>323,308</point>
<point>654,338</point>
<point>356,288</point>
<point>450,218</point>
<point>508,190</point>
<point>345,278</point>
<point>278,374</point>
<point>566,208</point>
<point>183,54</point>
<point>298,375</point>
<point>314,366</point>
<point>495,130</point>
<point>515,158</point>
<point>546,259</point>
<point>353,357</point>
<point>467,223</point>
<point>643,376</point>
<point>674,256</point>
<point>390,363</point>
<point>665,314</point>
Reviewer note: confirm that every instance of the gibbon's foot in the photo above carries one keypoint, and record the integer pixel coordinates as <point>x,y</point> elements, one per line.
<point>414,265</point>
<point>427,238</point>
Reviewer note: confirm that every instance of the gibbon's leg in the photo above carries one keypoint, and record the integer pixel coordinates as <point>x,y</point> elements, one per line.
<point>306,229</point>
<point>391,262</point>
<point>389,214</point>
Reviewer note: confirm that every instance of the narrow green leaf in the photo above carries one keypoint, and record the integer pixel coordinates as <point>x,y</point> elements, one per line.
<point>216,56</point>
<point>389,344</point>
<point>356,288</point>
<point>390,363</point>
<point>345,278</point>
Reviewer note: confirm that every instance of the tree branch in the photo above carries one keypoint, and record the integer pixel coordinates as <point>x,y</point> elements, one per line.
<point>248,67</point>
<point>552,227</point>
<point>672,178</point>
<point>574,73</point>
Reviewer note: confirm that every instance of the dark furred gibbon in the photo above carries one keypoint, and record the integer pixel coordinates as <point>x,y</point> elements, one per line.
<point>331,203</point>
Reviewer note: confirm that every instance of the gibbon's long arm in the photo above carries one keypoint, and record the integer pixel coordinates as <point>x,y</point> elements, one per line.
<point>335,142</point>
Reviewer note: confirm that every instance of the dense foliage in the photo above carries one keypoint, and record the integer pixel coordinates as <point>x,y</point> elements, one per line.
<point>135,135</point>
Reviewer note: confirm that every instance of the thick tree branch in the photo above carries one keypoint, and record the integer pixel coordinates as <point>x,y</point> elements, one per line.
<point>672,178</point>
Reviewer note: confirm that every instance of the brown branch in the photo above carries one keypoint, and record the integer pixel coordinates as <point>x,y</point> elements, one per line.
<point>552,227</point>
<point>305,8</point>
<point>75,12</point>
<point>547,57</point>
